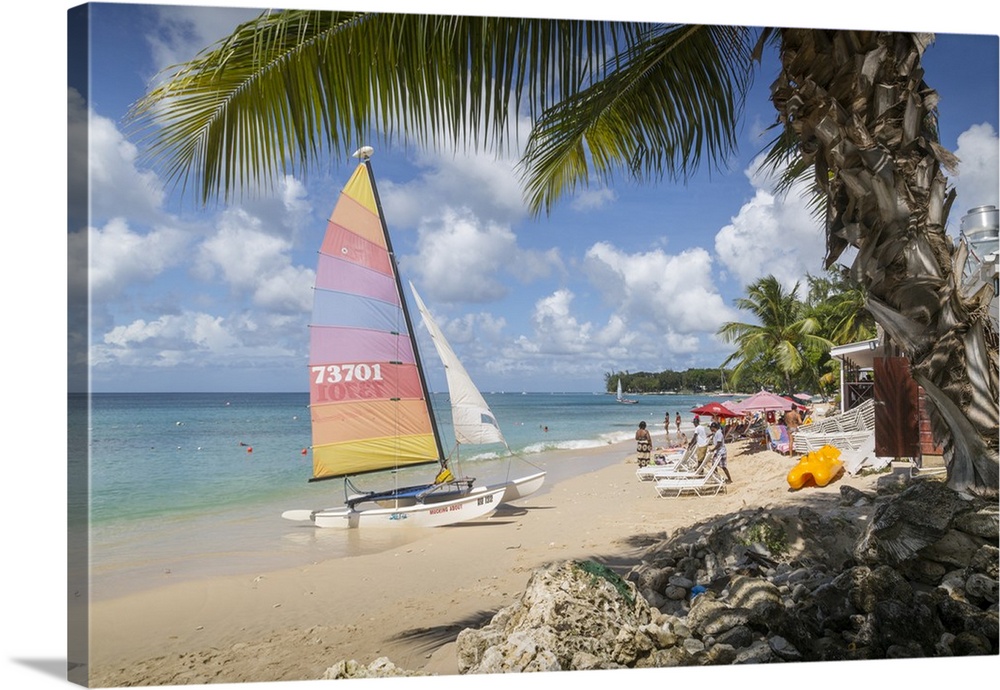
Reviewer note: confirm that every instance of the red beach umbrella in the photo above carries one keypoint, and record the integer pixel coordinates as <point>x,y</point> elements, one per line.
<point>716,409</point>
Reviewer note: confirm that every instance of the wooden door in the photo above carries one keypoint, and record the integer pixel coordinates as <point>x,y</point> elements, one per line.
<point>897,431</point>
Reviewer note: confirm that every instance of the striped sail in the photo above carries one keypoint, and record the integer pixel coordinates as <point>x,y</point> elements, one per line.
<point>367,396</point>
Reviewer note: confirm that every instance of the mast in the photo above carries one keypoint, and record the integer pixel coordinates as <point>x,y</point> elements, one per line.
<point>365,154</point>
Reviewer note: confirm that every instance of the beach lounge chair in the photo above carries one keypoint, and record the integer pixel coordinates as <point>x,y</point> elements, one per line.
<point>847,431</point>
<point>674,462</point>
<point>709,483</point>
<point>687,470</point>
<point>777,437</point>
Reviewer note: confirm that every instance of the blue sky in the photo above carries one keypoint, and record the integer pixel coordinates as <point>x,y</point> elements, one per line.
<point>621,277</point>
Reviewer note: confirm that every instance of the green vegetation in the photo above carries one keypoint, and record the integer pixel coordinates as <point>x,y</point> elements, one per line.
<point>768,534</point>
<point>597,570</point>
<point>667,381</point>
<point>784,347</point>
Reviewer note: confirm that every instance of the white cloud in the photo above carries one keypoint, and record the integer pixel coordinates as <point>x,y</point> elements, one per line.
<point>461,258</point>
<point>487,186</point>
<point>171,332</point>
<point>772,235</point>
<point>120,257</point>
<point>591,199</point>
<point>117,186</point>
<point>672,293</point>
<point>254,262</point>
<point>557,331</point>
<point>978,181</point>
<point>195,340</point>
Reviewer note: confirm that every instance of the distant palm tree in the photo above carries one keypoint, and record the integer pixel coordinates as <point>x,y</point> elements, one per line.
<point>649,100</point>
<point>840,306</point>
<point>779,338</point>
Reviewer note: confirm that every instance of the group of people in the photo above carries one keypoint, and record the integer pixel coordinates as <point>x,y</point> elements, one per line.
<point>699,441</point>
<point>681,438</point>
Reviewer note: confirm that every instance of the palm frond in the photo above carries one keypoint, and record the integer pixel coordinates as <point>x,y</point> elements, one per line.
<point>289,84</point>
<point>674,95</point>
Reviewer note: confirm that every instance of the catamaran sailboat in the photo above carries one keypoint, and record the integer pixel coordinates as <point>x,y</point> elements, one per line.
<point>368,394</point>
<point>622,399</point>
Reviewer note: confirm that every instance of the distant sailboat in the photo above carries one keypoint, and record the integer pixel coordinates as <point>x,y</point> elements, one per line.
<point>368,394</point>
<point>620,398</point>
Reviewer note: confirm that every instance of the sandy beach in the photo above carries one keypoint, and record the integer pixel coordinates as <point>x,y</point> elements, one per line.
<point>408,603</point>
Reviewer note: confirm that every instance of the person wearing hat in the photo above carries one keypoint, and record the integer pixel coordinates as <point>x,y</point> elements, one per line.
<point>719,449</point>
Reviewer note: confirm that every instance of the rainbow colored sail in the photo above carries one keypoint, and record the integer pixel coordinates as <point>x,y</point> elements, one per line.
<point>368,399</point>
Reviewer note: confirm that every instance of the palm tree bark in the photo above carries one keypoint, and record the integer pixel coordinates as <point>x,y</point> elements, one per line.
<point>864,119</point>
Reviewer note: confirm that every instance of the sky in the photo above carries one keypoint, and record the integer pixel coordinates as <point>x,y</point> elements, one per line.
<point>623,277</point>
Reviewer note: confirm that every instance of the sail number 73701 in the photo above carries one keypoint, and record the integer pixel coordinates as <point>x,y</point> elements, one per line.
<point>345,373</point>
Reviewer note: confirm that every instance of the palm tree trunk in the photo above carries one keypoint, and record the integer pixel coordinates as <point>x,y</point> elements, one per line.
<point>859,110</point>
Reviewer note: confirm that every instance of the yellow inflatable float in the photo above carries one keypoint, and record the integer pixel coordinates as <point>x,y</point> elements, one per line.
<point>820,467</point>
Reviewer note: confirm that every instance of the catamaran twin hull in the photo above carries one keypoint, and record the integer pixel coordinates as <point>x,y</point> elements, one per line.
<point>478,503</point>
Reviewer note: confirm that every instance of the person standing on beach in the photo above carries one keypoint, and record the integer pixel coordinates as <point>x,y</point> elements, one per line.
<point>643,444</point>
<point>719,449</point>
<point>792,422</point>
<point>699,441</point>
<point>677,423</point>
<point>666,426</point>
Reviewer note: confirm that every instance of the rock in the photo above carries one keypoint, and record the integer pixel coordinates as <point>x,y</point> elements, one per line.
<point>783,649</point>
<point>955,548</point>
<point>738,637</point>
<point>984,523</point>
<point>913,626</point>
<point>986,561</point>
<point>981,587</point>
<point>851,496</point>
<point>759,597</point>
<point>767,585</point>
<point>970,643</point>
<point>569,613</point>
<point>918,517</point>
<point>380,668</point>
<point>882,584</point>
<point>923,570</point>
<point>711,617</point>
<point>757,653</point>
<point>720,654</point>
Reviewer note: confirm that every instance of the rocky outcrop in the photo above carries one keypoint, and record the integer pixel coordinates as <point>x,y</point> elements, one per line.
<point>562,621</point>
<point>380,668</point>
<point>918,579</point>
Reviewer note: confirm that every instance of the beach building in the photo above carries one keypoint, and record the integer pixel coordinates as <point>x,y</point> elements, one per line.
<point>877,370</point>
<point>981,232</point>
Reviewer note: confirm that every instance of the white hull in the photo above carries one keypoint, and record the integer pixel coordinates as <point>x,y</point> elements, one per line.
<point>480,502</point>
<point>521,487</point>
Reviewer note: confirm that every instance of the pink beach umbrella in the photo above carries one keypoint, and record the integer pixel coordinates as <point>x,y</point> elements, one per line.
<point>763,402</point>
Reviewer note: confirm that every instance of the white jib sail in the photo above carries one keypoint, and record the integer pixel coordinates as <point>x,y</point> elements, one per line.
<point>473,420</point>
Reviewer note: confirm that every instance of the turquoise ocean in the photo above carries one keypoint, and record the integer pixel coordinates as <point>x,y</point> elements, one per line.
<point>185,485</point>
